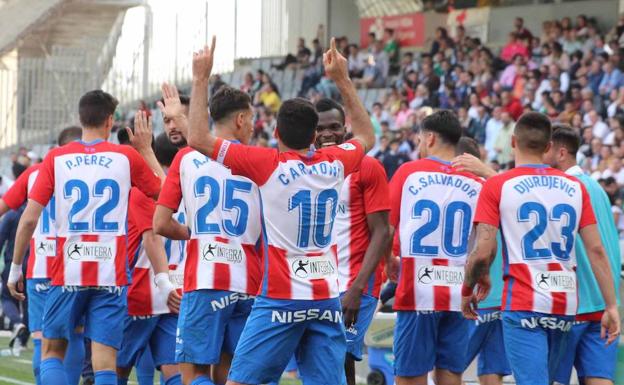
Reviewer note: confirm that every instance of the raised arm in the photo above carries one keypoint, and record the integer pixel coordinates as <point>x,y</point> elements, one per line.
<point>141,140</point>
<point>337,69</point>
<point>25,230</point>
<point>199,137</point>
<point>600,266</point>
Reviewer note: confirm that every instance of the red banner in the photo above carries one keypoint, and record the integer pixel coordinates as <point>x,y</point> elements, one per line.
<point>409,29</point>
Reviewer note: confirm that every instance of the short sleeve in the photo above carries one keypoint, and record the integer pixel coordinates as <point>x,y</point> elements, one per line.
<point>396,194</point>
<point>350,153</point>
<point>43,189</point>
<point>488,205</point>
<point>587,212</point>
<point>255,163</point>
<point>375,187</point>
<point>141,175</point>
<point>141,211</point>
<point>17,194</point>
<point>171,193</point>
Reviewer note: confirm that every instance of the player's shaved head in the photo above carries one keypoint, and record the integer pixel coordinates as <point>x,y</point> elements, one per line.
<point>532,133</point>
<point>467,145</point>
<point>69,134</point>
<point>95,107</point>
<point>228,101</point>
<point>564,136</point>
<point>296,123</point>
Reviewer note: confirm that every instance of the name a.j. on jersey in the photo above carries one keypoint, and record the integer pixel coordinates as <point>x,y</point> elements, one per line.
<point>302,170</point>
<point>88,160</point>
<point>443,180</point>
<point>548,182</point>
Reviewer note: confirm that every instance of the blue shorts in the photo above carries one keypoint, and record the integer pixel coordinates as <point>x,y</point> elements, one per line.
<point>36,293</point>
<point>210,322</point>
<point>277,329</point>
<point>156,333</point>
<point>103,310</point>
<point>424,340</point>
<point>486,340</point>
<point>355,334</point>
<point>535,343</point>
<point>587,352</point>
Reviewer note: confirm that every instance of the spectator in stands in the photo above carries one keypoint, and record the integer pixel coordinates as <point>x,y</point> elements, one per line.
<point>391,48</point>
<point>268,97</point>
<point>429,78</point>
<point>216,84</point>
<point>143,107</point>
<point>612,78</point>
<point>403,115</point>
<point>492,129</point>
<point>248,84</point>
<point>302,57</point>
<point>514,47</point>
<point>372,77</point>
<point>390,157</point>
<point>441,34</point>
<point>258,81</point>
<point>357,61</point>
<point>502,146</point>
<point>317,52</point>
<point>520,30</point>
<point>570,42</point>
<point>511,105</point>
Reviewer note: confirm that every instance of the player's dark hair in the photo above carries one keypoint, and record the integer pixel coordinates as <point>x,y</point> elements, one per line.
<point>445,124</point>
<point>184,100</point>
<point>532,132</point>
<point>296,123</point>
<point>227,101</point>
<point>467,145</point>
<point>327,104</point>
<point>69,134</point>
<point>95,107</point>
<point>563,135</point>
<point>122,136</point>
<point>165,150</point>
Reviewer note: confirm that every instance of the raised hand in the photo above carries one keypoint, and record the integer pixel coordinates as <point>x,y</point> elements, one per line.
<point>141,138</point>
<point>336,65</point>
<point>172,107</point>
<point>203,60</point>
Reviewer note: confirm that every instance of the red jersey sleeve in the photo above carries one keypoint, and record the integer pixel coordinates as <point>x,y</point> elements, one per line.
<point>171,193</point>
<point>43,189</point>
<point>255,163</point>
<point>141,175</point>
<point>350,153</point>
<point>488,205</point>
<point>18,193</point>
<point>375,186</point>
<point>141,210</point>
<point>587,214</point>
<point>396,193</point>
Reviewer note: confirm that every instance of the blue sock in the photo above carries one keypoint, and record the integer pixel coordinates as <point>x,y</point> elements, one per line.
<point>173,380</point>
<point>202,380</point>
<point>105,377</point>
<point>74,358</point>
<point>145,368</point>
<point>36,360</point>
<point>53,372</point>
<point>122,381</point>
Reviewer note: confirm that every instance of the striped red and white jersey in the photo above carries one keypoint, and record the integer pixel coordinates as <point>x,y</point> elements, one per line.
<point>224,215</point>
<point>43,243</point>
<point>539,211</point>
<point>433,207</point>
<point>91,183</point>
<point>144,297</point>
<point>299,200</point>
<point>364,192</point>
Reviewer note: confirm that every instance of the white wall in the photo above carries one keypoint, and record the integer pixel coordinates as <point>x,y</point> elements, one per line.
<point>344,19</point>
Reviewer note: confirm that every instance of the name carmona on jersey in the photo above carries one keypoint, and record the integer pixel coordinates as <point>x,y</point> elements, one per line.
<point>439,179</point>
<point>295,170</point>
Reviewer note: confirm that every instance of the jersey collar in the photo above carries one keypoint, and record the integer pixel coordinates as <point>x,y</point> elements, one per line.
<point>436,159</point>
<point>575,170</point>
<point>530,165</point>
<point>92,143</point>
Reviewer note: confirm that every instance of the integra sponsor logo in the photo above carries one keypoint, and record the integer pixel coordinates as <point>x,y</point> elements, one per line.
<point>313,268</point>
<point>553,323</point>
<point>284,317</point>
<point>45,248</point>
<point>441,275</point>
<point>90,251</point>
<point>556,281</point>
<point>217,252</point>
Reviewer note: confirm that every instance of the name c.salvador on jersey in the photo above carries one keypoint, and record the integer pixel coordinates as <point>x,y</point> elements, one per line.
<point>322,169</point>
<point>436,179</point>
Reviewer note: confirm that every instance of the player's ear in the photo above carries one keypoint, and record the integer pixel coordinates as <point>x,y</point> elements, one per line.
<point>549,146</point>
<point>513,141</point>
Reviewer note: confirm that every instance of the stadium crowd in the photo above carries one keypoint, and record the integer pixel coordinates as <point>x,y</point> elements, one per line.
<point>570,72</point>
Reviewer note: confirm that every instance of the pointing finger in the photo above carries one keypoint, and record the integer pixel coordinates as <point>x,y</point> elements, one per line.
<point>332,44</point>
<point>213,44</point>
